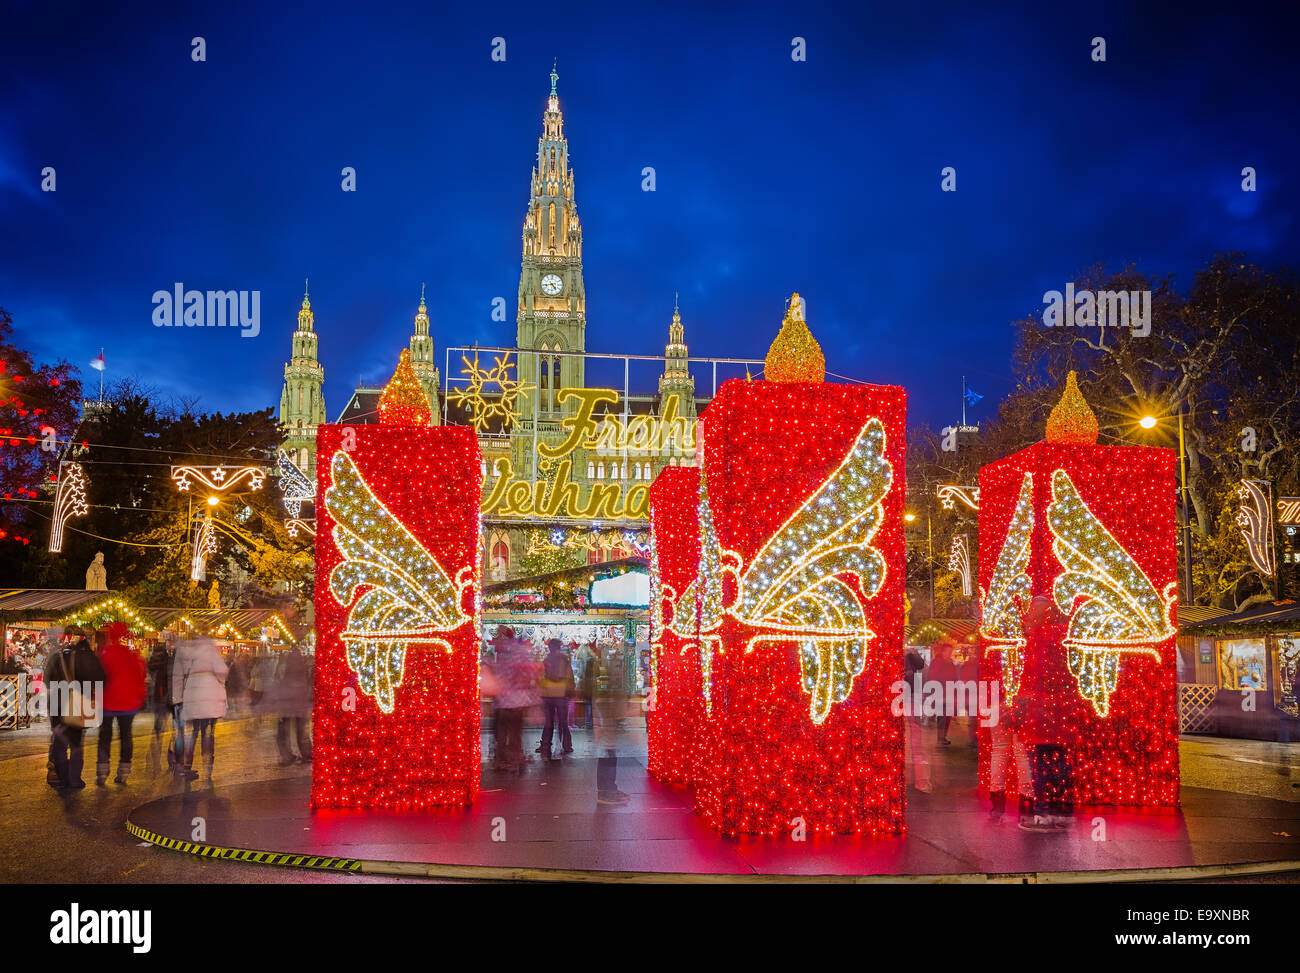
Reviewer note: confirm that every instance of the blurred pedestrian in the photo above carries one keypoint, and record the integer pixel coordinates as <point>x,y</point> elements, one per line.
<point>166,711</point>
<point>556,688</point>
<point>199,682</point>
<point>918,742</point>
<point>517,675</point>
<point>943,671</point>
<point>590,680</point>
<point>1045,736</point>
<point>293,705</point>
<point>73,677</point>
<point>611,701</point>
<point>124,695</point>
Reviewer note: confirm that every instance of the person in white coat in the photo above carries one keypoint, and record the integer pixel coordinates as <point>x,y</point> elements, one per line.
<point>199,684</point>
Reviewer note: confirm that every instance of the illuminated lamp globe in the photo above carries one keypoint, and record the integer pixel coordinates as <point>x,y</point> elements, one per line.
<point>1147,422</point>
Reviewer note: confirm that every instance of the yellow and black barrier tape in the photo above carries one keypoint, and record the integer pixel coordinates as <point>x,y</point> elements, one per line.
<point>244,854</point>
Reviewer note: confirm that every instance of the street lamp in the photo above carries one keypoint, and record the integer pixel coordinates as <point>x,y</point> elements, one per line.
<point>213,501</point>
<point>1149,422</point>
<point>909,517</point>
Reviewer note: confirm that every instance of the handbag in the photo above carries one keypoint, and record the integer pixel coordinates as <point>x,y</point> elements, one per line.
<point>79,710</point>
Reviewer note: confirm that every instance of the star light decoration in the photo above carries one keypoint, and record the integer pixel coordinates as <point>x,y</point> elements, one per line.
<point>481,408</point>
<point>217,478</point>
<point>1255,518</point>
<point>950,493</point>
<point>204,546</point>
<point>959,561</point>
<point>69,502</point>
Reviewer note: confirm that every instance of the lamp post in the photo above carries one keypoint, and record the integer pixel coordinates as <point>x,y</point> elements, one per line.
<point>1185,526</point>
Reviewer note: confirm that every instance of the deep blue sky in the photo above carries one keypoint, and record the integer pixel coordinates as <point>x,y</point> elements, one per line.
<point>773,176</point>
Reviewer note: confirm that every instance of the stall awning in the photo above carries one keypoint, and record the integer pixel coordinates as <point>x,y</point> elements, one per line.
<point>1281,616</point>
<point>927,630</point>
<point>42,603</point>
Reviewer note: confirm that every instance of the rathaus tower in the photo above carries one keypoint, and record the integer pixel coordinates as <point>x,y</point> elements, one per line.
<point>552,314</point>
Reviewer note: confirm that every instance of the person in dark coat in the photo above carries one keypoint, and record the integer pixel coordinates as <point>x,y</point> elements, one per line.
<point>556,688</point>
<point>166,711</point>
<point>124,695</point>
<point>76,663</point>
<point>292,696</point>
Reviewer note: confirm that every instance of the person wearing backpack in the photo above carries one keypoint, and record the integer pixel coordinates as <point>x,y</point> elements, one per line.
<point>124,693</point>
<point>77,665</point>
<point>557,687</point>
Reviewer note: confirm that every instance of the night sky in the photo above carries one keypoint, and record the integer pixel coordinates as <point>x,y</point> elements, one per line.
<point>772,175</point>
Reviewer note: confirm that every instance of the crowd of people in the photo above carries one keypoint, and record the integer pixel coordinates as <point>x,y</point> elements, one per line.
<point>99,679</point>
<point>519,685</point>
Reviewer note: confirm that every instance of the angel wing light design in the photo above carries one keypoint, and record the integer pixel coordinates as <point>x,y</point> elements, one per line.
<point>405,595</point>
<point>1112,605</point>
<point>1009,588</point>
<point>294,487</point>
<point>795,587</point>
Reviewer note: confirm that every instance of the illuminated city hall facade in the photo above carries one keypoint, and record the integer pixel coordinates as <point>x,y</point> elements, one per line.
<point>556,495</point>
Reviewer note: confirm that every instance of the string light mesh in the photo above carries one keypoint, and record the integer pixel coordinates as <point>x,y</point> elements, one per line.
<point>763,758</point>
<point>396,715</point>
<point>672,723</point>
<point>404,402</point>
<point>1100,677</point>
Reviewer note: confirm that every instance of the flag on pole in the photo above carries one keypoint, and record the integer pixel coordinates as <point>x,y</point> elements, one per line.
<point>98,363</point>
<point>972,396</point>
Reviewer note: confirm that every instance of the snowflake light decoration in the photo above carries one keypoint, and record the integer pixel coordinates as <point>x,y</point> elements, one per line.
<point>482,409</point>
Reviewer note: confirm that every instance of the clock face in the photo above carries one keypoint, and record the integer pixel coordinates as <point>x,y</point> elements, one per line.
<point>551,284</point>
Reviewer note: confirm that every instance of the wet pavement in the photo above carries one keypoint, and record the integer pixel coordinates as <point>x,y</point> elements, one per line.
<point>1240,802</point>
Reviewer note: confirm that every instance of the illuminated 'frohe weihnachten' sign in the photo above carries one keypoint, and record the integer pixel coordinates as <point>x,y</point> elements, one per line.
<point>558,495</point>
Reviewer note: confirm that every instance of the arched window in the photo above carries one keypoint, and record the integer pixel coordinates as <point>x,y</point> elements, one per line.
<point>591,470</point>
<point>600,471</point>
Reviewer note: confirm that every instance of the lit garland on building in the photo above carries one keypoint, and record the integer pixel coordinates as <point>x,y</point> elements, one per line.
<point>1099,671</point>
<point>396,713</point>
<point>807,522</point>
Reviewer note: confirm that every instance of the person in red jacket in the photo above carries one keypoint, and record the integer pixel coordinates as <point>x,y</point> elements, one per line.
<point>124,692</point>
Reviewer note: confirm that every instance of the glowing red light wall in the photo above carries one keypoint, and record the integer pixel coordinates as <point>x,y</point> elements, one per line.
<point>1129,756</point>
<point>761,761</point>
<point>674,719</point>
<point>425,752</point>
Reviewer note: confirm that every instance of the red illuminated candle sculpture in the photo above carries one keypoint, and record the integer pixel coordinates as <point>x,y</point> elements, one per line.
<point>1089,530</point>
<point>396,717</point>
<point>799,599</point>
<point>678,706</point>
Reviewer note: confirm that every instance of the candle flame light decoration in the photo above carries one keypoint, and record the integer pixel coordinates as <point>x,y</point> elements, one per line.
<point>396,713</point>
<point>1090,531</point>
<point>69,502</point>
<point>796,605</point>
